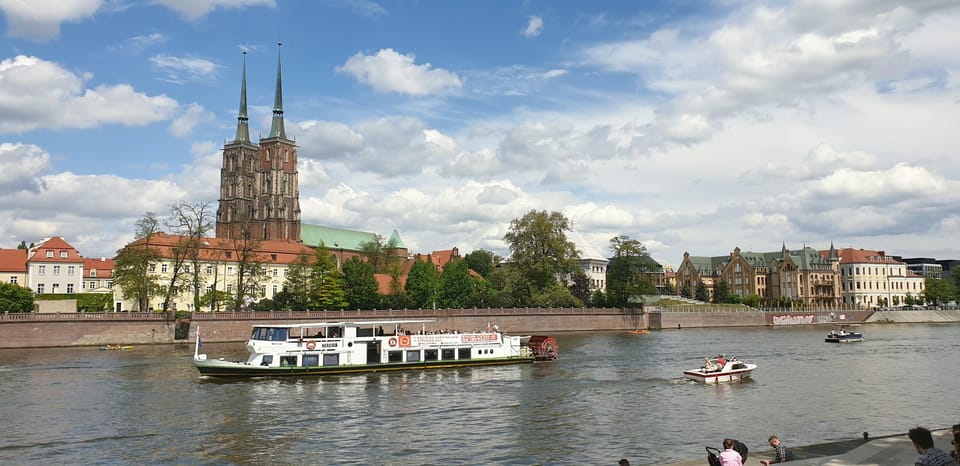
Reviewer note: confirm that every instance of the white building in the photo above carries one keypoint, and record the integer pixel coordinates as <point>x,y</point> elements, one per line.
<point>873,279</point>
<point>593,263</point>
<point>54,267</point>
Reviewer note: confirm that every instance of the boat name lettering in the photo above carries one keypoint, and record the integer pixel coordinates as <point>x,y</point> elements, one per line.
<point>329,345</point>
<point>483,337</point>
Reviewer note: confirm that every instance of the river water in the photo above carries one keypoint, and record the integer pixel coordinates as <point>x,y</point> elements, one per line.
<point>610,395</point>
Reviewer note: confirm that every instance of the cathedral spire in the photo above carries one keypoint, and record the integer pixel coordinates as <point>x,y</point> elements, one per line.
<point>243,131</point>
<point>276,128</point>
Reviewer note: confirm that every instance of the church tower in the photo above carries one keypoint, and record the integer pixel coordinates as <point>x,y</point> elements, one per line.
<point>259,187</point>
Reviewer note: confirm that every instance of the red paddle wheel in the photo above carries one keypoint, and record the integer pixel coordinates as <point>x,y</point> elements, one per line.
<point>544,347</point>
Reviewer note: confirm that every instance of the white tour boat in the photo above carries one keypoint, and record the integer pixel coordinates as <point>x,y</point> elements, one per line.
<point>733,370</point>
<point>843,335</point>
<point>369,346</point>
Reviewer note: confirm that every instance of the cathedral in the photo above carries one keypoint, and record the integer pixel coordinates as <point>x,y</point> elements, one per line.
<point>259,191</point>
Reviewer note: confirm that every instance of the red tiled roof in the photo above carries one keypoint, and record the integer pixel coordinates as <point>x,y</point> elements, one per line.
<point>271,251</point>
<point>57,245</point>
<point>13,260</point>
<point>864,256</point>
<point>104,267</point>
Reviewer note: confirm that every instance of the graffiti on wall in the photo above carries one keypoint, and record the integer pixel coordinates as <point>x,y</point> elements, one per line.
<point>793,319</point>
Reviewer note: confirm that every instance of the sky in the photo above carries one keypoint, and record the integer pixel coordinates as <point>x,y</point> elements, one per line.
<point>690,125</point>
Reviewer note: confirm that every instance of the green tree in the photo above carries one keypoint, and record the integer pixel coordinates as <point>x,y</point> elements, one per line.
<point>511,289</point>
<point>701,293</point>
<point>580,286</point>
<point>598,299</point>
<point>211,297</point>
<point>685,292</point>
<point>937,291</point>
<point>423,284</point>
<point>326,283</point>
<point>296,287</point>
<point>752,300</point>
<point>15,298</point>
<point>480,261</point>
<point>244,251</point>
<point>379,254</point>
<point>360,284</point>
<point>626,271</point>
<point>721,291</point>
<point>540,250</point>
<point>133,262</point>
<point>555,295</point>
<point>456,285</point>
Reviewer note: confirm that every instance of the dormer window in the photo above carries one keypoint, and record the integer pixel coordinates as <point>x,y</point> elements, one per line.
<point>50,254</point>
<point>93,273</point>
<point>63,254</point>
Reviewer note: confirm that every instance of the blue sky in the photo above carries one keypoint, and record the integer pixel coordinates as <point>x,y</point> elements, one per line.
<point>695,126</point>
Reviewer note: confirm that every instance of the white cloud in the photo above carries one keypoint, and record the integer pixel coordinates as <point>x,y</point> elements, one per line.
<point>390,71</point>
<point>35,93</point>
<point>195,9</point>
<point>39,20</point>
<point>137,44</point>
<point>193,115</point>
<point>534,27</point>
<point>179,70</point>
<point>22,165</point>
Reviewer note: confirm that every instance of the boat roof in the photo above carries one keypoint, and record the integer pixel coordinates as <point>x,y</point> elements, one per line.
<point>348,323</point>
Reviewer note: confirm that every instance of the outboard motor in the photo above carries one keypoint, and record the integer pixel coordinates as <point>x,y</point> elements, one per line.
<point>544,347</point>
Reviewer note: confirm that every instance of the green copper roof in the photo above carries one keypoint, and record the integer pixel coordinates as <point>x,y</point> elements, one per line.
<point>276,127</point>
<point>340,238</point>
<point>243,131</point>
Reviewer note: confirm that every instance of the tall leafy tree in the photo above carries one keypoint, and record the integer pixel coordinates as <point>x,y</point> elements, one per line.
<point>701,293</point>
<point>132,265</point>
<point>360,284</point>
<point>628,273</point>
<point>379,254</point>
<point>539,248</point>
<point>15,298</point>
<point>456,285</point>
<point>296,288</point>
<point>580,286</point>
<point>512,290</point>
<point>326,284</point>
<point>423,284</point>
<point>721,290</point>
<point>481,261</point>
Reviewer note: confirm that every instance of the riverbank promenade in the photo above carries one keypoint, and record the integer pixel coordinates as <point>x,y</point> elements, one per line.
<point>886,450</point>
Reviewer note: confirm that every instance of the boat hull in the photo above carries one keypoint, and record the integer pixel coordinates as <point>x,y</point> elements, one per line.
<point>844,339</point>
<point>222,368</point>
<point>710,378</point>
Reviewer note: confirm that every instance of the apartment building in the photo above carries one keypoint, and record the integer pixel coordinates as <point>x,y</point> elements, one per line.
<point>873,279</point>
<point>54,267</point>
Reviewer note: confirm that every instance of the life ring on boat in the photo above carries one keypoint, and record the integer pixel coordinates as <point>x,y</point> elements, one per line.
<point>392,342</point>
<point>311,344</point>
<point>404,340</point>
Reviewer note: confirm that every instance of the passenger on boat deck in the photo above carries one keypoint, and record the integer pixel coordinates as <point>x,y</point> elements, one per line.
<point>721,360</point>
<point>709,366</point>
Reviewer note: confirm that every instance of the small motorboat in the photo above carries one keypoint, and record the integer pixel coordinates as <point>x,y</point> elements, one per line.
<point>639,331</point>
<point>720,370</point>
<point>843,335</point>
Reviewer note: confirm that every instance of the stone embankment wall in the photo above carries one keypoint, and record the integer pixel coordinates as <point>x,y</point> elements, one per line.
<point>74,329</point>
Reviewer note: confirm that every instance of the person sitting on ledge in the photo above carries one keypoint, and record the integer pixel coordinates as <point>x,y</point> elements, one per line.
<point>709,366</point>
<point>929,454</point>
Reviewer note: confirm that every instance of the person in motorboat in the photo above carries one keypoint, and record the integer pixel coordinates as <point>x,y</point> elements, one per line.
<point>721,361</point>
<point>709,366</point>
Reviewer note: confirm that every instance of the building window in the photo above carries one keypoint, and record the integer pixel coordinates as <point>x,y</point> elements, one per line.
<point>63,254</point>
<point>163,268</point>
<point>40,288</point>
<point>70,288</point>
<point>42,270</point>
<point>56,270</point>
<point>153,267</point>
<point>50,254</point>
<point>93,273</point>
<point>70,270</point>
<point>230,270</point>
<point>109,284</point>
<point>13,280</point>
<point>210,270</point>
<point>274,290</point>
<point>229,287</point>
<point>276,272</point>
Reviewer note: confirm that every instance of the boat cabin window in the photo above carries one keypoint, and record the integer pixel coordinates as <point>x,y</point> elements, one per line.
<point>365,332</point>
<point>463,353</point>
<point>447,354</point>
<point>269,334</point>
<point>430,355</point>
<point>267,360</point>
<point>394,356</point>
<point>413,355</point>
<point>311,359</point>
<point>288,360</point>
